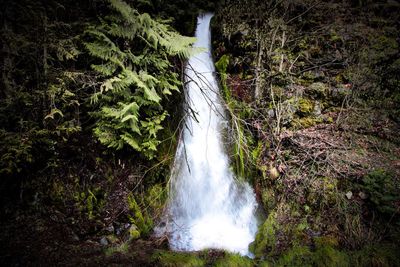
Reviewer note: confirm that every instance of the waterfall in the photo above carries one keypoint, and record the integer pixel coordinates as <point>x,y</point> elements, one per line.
<point>208,206</point>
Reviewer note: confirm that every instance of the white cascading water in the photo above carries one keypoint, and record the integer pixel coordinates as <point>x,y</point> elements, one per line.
<point>208,207</point>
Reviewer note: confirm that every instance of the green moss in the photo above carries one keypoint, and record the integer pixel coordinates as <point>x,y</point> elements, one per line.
<point>306,122</point>
<point>222,66</point>
<point>176,259</point>
<point>134,233</point>
<point>297,256</point>
<point>265,264</point>
<point>326,254</point>
<point>322,256</point>
<point>329,120</point>
<point>138,217</point>
<point>268,198</point>
<point>318,90</point>
<point>156,197</point>
<point>266,237</point>
<point>329,189</point>
<point>120,248</point>
<point>222,63</point>
<point>329,256</point>
<point>256,152</point>
<point>234,260</point>
<point>382,47</point>
<point>306,78</point>
<point>299,231</point>
<point>90,203</point>
<point>112,239</point>
<point>382,190</point>
<point>278,91</point>
<point>305,106</point>
<point>378,255</point>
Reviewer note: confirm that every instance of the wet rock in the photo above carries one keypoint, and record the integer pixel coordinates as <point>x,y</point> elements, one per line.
<point>317,109</point>
<point>110,229</point>
<point>362,195</point>
<point>118,231</point>
<point>271,113</point>
<point>104,241</point>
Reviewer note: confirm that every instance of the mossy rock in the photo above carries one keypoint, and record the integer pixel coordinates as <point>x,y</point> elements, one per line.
<point>234,260</point>
<point>305,106</point>
<point>325,254</point>
<point>306,78</point>
<point>318,90</point>
<point>266,237</point>
<point>338,94</point>
<point>304,256</point>
<point>133,232</point>
<point>297,256</point>
<point>290,107</point>
<point>117,248</point>
<point>268,198</point>
<point>176,259</point>
<point>306,122</point>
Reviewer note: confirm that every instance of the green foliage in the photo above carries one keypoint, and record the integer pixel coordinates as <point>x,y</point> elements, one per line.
<point>156,198</point>
<point>91,202</point>
<point>325,254</point>
<point>222,66</point>
<point>63,115</point>
<point>118,248</point>
<point>239,150</point>
<point>376,255</point>
<point>139,218</point>
<point>134,233</point>
<point>233,260</point>
<point>297,256</point>
<point>305,106</point>
<point>382,190</point>
<point>134,53</point>
<point>15,151</point>
<point>266,237</point>
<point>177,259</point>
